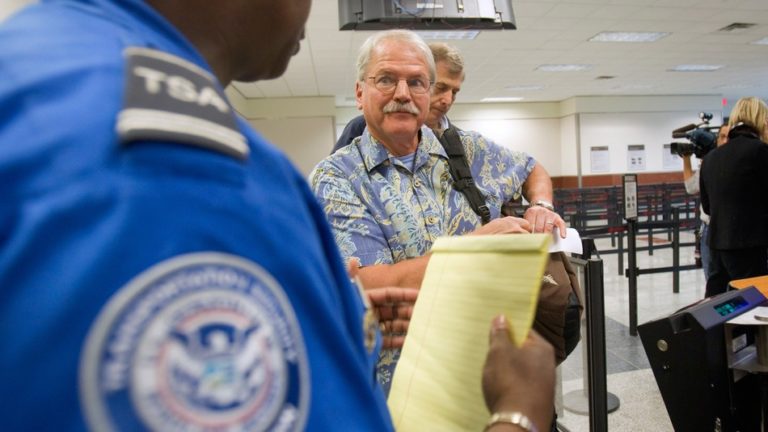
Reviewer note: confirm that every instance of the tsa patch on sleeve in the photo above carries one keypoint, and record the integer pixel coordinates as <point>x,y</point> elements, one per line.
<point>170,99</point>
<point>205,341</point>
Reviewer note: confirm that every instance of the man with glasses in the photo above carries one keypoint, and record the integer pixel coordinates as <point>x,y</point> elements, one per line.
<point>449,64</point>
<point>390,194</point>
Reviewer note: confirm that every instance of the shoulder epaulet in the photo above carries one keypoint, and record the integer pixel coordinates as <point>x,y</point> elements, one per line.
<point>170,99</point>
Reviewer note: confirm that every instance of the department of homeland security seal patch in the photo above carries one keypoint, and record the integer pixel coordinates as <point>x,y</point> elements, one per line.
<point>205,341</point>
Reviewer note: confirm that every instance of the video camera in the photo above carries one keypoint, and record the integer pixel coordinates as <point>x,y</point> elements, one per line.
<point>701,138</point>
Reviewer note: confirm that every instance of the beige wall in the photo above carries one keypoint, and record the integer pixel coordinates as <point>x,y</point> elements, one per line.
<point>304,128</point>
<point>305,140</point>
<point>558,134</point>
<point>538,137</point>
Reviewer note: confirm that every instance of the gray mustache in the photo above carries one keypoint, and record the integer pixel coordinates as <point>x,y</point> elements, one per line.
<point>394,106</point>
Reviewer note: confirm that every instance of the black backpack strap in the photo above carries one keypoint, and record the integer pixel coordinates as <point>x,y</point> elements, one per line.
<point>462,176</point>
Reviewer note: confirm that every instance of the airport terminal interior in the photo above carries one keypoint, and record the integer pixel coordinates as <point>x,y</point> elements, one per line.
<point>588,128</point>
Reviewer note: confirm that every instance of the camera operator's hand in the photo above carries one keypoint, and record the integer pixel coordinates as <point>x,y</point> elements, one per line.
<point>519,379</point>
<point>687,167</point>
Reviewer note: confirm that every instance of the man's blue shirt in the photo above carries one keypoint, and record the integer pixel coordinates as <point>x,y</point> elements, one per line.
<point>383,212</point>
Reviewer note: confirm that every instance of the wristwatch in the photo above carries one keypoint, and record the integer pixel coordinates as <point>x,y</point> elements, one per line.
<point>546,204</point>
<point>515,418</point>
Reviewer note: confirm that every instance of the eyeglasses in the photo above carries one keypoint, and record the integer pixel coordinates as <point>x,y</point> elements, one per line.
<point>388,83</point>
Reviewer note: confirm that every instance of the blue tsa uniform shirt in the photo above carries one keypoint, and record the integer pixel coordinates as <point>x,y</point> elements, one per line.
<point>161,266</point>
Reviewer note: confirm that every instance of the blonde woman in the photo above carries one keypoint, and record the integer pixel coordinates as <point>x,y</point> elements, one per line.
<point>734,178</point>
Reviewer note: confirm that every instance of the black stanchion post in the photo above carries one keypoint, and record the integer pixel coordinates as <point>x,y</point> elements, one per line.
<point>587,248</point>
<point>621,253</point>
<point>667,203</point>
<point>630,214</point>
<point>593,399</point>
<point>632,275</point>
<point>598,391</point>
<point>651,217</point>
<point>676,250</point>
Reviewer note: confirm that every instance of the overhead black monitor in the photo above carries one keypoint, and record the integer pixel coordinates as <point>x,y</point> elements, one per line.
<point>426,14</point>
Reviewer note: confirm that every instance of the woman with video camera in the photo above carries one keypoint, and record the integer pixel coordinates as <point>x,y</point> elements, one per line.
<point>691,182</point>
<point>733,181</point>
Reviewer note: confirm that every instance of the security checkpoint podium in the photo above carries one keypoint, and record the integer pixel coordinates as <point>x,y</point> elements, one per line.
<point>693,355</point>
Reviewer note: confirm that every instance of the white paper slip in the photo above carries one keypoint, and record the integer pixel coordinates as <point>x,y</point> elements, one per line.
<point>570,244</point>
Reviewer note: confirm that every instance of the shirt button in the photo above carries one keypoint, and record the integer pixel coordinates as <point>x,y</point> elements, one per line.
<point>417,183</point>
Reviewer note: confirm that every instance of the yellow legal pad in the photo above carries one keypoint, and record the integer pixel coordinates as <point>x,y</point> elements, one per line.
<point>469,280</point>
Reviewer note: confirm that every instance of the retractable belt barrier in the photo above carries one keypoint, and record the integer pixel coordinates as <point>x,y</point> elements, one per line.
<point>632,271</point>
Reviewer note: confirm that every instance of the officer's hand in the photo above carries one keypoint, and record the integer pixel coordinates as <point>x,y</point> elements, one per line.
<point>544,220</point>
<point>394,308</point>
<point>519,379</point>
<point>505,225</point>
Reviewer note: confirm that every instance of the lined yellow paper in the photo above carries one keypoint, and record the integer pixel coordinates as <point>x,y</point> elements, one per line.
<point>469,280</point>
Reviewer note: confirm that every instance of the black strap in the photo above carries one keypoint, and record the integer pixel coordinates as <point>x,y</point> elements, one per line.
<point>462,176</point>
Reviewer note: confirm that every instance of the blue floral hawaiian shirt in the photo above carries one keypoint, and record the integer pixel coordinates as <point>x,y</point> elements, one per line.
<point>383,212</point>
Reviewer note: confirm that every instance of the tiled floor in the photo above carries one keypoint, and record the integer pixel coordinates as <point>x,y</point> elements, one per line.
<point>629,375</point>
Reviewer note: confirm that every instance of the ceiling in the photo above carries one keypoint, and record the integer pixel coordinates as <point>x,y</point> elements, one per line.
<point>502,63</point>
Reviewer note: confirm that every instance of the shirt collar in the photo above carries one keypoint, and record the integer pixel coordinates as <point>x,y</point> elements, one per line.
<point>444,123</point>
<point>374,153</point>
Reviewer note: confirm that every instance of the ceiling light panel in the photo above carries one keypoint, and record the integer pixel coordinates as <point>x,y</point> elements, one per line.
<point>524,88</point>
<point>733,86</point>
<point>695,68</point>
<point>563,67</point>
<point>628,36</point>
<point>449,34</point>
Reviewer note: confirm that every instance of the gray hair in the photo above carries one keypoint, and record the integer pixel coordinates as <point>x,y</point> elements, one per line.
<point>364,56</point>
<point>448,55</point>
